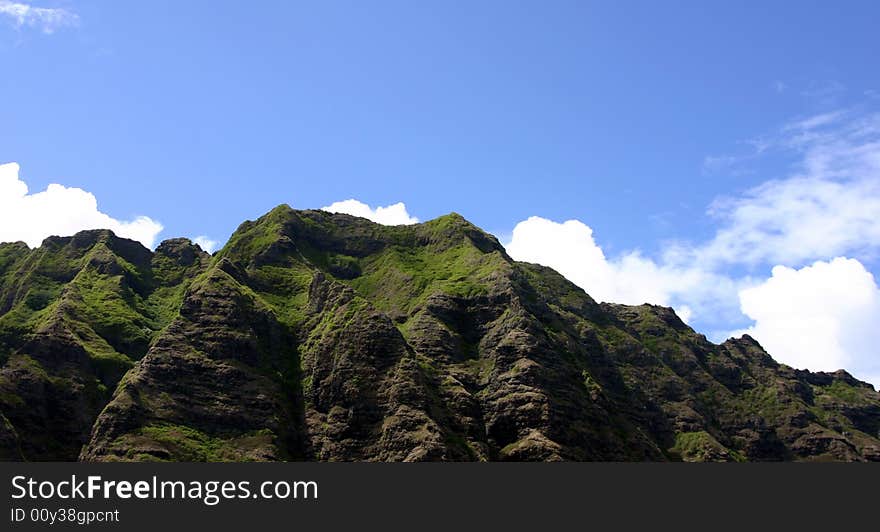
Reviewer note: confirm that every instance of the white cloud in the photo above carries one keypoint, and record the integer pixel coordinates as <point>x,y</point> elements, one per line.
<point>796,220</point>
<point>822,317</point>
<point>47,19</point>
<point>206,243</point>
<point>829,206</point>
<point>685,313</point>
<point>391,215</point>
<point>61,211</point>
<point>815,121</point>
<point>633,279</point>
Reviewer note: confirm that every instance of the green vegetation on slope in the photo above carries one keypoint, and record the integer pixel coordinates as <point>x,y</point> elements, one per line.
<point>324,336</point>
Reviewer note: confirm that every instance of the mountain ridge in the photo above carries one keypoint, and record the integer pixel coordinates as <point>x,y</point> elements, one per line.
<point>319,336</point>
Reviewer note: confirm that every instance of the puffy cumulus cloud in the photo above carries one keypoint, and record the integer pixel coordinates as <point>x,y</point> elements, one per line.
<point>206,243</point>
<point>47,19</point>
<point>827,206</point>
<point>822,317</point>
<point>60,211</point>
<point>570,249</point>
<point>391,215</point>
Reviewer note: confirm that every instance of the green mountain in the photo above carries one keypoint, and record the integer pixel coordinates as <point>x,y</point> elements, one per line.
<point>318,336</point>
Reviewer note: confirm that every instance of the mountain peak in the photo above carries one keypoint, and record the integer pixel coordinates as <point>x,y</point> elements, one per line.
<point>322,336</point>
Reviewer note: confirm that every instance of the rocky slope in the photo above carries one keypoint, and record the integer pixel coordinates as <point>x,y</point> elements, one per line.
<point>317,336</point>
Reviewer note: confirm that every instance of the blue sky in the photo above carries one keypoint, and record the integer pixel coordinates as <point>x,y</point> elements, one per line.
<point>638,119</point>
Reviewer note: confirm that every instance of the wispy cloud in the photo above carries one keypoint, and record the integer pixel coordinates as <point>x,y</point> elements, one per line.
<point>812,123</point>
<point>824,93</point>
<point>48,20</point>
<point>713,164</point>
<point>785,263</point>
<point>822,217</point>
<point>829,206</point>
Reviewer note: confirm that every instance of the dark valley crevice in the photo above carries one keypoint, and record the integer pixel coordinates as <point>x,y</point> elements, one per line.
<point>318,336</point>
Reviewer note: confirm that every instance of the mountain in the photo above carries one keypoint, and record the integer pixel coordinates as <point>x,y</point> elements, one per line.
<point>318,336</point>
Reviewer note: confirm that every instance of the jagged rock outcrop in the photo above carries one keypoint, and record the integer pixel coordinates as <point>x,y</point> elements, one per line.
<point>77,313</point>
<point>318,336</point>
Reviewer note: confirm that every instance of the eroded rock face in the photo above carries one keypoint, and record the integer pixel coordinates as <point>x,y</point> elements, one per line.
<point>76,314</point>
<point>317,336</point>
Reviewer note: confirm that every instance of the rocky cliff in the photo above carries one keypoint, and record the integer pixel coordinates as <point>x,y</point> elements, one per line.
<point>317,336</point>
